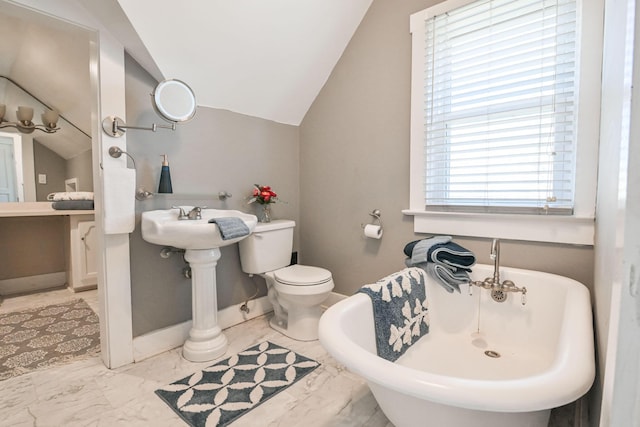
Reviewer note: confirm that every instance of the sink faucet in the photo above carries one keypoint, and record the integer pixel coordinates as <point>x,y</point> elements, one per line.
<point>181,213</point>
<point>195,213</point>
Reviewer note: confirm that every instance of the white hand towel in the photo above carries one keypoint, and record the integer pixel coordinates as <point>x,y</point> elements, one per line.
<point>119,200</point>
<point>70,195</point>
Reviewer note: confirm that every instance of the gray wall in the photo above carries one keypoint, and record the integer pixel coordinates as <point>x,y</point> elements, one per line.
<point>354,158</point>
<point>80,167</point>
<point>32,246</point>
<point>53,166</point>
<point>58,170</point>
<point>217,151</point>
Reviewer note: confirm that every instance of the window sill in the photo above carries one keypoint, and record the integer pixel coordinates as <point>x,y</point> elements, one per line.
<point>535,228</point>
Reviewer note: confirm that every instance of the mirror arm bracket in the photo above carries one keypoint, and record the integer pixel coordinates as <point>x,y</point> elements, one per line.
<point>116,127</point>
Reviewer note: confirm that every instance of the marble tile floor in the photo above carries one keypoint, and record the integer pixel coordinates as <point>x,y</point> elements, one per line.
<point>86,393</point>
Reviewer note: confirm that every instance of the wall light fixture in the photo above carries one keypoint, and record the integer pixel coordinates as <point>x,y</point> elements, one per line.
<point>25,122</point>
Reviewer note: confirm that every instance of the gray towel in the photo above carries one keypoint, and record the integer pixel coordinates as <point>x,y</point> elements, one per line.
<point>448,263</point>
<point>452,255</point>
<point>449,279</point>
<point>420,252</point>
<point>231,227</point>
<point>71,205</point>
<point>400,311</point>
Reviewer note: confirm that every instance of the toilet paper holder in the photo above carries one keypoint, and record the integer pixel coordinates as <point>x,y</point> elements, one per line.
<point>376,218</point>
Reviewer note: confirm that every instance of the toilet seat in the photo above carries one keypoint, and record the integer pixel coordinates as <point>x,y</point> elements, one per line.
<point>302,275</point>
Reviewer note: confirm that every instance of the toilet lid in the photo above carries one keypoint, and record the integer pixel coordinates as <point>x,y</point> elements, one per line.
<point>302,275</point>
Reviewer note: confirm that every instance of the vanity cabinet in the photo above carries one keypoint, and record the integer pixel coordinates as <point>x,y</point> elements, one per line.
<point>42,248</point>
<point>82,253</point>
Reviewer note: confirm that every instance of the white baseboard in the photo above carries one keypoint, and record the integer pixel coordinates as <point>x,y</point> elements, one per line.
<point>168,338</point>
<point>22,285</point>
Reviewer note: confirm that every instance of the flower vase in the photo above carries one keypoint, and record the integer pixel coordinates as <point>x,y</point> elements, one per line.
<point>265,213</point>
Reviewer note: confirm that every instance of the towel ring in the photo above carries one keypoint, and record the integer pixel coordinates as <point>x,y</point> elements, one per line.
<point>116,152</point>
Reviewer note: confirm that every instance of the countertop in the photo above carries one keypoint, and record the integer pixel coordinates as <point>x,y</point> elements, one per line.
<point>36,209</point>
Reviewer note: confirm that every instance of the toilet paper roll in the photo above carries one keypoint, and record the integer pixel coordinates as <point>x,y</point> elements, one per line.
<point>373,231</point>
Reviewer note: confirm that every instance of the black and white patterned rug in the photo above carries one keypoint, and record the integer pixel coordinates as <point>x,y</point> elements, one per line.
<point>219,394</point>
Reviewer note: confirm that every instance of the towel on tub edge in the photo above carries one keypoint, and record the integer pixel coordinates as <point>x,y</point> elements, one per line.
<point>440,250</point>
<point>400,311</point>
<point>446,261</point>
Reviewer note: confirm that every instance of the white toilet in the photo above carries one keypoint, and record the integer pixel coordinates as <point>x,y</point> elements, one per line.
<point>295,291</point>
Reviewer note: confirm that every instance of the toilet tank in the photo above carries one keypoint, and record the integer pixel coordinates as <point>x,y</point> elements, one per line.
<point>268,248</point>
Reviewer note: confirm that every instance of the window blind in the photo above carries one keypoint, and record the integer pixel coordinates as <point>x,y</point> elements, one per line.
<point>499,107</point>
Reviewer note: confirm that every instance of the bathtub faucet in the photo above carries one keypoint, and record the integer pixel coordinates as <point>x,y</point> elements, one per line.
<point>499,289</point>
<point>495,256</point>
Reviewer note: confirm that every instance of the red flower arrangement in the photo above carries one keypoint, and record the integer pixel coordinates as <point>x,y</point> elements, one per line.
<point>263,195</point>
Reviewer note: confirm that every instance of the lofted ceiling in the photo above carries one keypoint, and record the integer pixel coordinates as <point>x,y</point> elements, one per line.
<point>267,59</point>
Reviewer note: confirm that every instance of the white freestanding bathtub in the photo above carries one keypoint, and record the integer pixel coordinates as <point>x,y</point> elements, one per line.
<point>449,377</point>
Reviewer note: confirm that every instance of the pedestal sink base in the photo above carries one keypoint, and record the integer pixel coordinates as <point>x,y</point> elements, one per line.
<point>201,241</point>
<point>204,351</point>
<point>206,340</point>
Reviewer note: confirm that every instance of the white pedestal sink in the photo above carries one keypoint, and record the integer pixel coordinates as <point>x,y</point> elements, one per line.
<point>202,241</point>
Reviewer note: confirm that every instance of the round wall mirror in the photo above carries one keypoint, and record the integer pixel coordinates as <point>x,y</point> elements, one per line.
<point>174,101</point>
